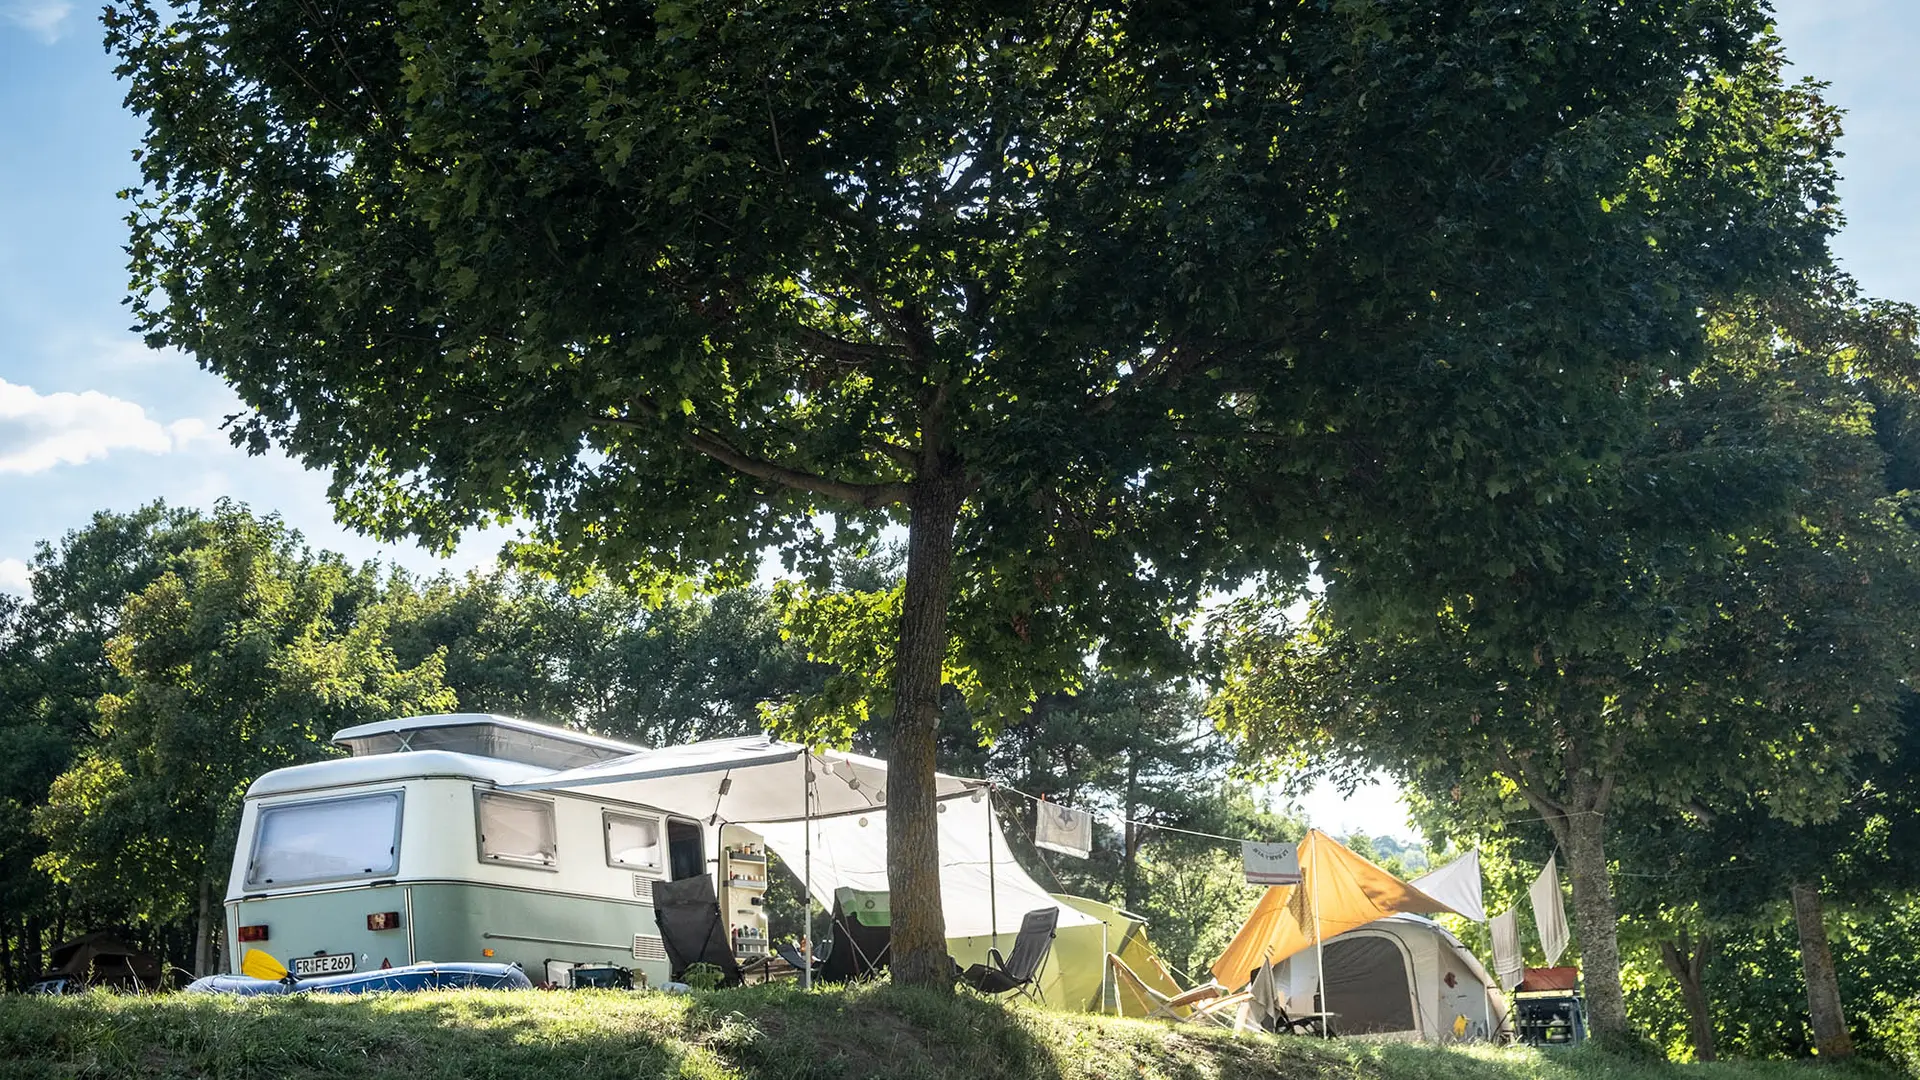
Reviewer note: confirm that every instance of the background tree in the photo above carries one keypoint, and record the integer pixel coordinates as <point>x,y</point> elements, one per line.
<point>1735,627</point>
<point>53,668</point>
<point>244,658</point>
<point>1107,304</point>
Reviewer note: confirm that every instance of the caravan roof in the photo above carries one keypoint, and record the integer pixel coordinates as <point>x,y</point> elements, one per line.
<point>346,772</point>
<point>486,735</point>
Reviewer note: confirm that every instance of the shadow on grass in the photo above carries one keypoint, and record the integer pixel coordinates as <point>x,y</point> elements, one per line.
<point>758,1033</point>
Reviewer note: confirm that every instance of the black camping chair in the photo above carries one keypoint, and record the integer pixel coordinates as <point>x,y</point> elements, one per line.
<point>790,952</point>
<point>1019,972</point>
<point>693,929</point>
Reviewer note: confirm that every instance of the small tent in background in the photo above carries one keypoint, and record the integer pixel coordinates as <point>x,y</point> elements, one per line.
<point>1083,955</point>
<point>1389,971</point>
<point>99,959</point>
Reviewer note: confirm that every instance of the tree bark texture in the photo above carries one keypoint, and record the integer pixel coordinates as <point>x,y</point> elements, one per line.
<point>1595,920</point>
<point>203,933</point>
<point>919,942</point>
<point>1830,1035</point>
<point>1686,961</point>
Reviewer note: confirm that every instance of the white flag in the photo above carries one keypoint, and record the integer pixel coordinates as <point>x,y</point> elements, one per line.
<point>1506,949</point>
<point>1550,912</point>
<point>1063,829</point>
<point>1270,864</point>
<point>1456,885</point>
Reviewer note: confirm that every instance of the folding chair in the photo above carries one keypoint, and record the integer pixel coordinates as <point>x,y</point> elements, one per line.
<point>1208,1005</point>
<point>862,935</point>
<point>1020,972</point>
<point>693,928</point>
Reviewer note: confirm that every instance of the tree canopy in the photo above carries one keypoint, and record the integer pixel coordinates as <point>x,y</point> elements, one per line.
<point>1111,304</point>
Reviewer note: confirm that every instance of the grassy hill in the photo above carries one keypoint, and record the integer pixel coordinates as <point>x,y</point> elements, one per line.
<point>770,1033</point>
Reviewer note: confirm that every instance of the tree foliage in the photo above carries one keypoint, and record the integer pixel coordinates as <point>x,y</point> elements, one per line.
<point>244,657</point>
<point>1111,304</point>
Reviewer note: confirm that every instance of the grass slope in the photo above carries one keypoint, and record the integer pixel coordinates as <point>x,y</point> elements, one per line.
<point>763,1033</point>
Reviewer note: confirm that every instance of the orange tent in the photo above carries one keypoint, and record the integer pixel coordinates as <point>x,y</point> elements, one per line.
<point>1348,891</point>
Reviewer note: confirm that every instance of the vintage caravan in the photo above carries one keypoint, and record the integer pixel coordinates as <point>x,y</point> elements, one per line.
<point>409,851</point>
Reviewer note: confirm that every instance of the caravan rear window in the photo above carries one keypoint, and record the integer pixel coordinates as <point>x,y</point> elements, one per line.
<point>514,829</point>
<point>339,839</point>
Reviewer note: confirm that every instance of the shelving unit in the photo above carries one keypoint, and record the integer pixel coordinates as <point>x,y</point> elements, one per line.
<point>743,887</point>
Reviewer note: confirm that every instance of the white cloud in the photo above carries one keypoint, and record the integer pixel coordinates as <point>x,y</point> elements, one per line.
<point>46,19</point>
<point>13,576</point>
<point>39,431</point>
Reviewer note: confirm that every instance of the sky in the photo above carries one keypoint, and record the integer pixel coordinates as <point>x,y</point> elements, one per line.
<point>90,419</point>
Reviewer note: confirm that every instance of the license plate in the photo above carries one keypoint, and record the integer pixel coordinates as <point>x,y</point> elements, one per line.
<point>338,964</point>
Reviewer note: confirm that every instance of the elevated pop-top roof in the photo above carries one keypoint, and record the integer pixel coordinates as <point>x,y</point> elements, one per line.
<point>349,772</point>
<point>484,735</point>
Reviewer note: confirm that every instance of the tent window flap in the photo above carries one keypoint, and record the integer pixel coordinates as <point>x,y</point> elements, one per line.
<point>515,829</point>
<point>326,840</point>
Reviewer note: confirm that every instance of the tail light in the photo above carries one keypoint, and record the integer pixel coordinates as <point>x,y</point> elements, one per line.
<point>254,933</point>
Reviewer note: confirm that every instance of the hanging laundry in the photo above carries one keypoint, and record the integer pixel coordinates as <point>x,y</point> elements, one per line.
<point>1456,885</point>
<point>1550,911</point>
<point>1270,864</point>
<point>1063,829</point>
<point>1507,964</point>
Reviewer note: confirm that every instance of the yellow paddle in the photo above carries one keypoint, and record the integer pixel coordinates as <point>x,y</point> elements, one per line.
<point>258,964</point>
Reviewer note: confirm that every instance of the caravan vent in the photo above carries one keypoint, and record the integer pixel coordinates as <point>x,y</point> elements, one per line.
<point>648,947</point>
<point>642,887</point>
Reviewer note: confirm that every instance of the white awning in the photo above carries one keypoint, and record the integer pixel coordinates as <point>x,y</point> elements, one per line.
<point>749,779</point>
<point>852,851</point>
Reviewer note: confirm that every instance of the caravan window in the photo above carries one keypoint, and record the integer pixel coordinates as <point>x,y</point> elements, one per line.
<point>515,829</point>
<point>633,842</point>
<point>326,840</point>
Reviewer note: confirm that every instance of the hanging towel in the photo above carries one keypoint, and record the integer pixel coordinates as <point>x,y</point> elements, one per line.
<point>1506,948</point>
<point>1550,912</point>
<point>1270,864</point>
<point>1456,885</point>
<point>1063,829</point>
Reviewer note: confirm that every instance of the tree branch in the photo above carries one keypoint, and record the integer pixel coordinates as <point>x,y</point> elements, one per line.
<point>871,495</point>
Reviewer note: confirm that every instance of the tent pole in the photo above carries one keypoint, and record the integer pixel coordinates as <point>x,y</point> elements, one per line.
<point>806,893</point>
<point>1319,952</point>
<point>993,887</point>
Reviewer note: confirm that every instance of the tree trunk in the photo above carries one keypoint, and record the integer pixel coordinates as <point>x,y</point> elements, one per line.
<point>203,932</point>
<point>1687,963</point>
<point>1830,1035</point>
<point>1595,921</point>
<point>919,940</point>
<point>1130,838</point>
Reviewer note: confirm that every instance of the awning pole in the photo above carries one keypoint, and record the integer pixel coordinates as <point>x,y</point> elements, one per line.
<point>806,895</point>
<point>993,888</point>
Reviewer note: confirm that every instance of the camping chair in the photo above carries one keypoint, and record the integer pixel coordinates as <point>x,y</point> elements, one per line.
<point>693,929</point>
<point>1020,972</point>
<point>1209,1005</point>
<point>790,952</point>
<point>862,936</point>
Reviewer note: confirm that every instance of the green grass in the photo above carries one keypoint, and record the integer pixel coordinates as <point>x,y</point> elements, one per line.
<point>764,1033</point>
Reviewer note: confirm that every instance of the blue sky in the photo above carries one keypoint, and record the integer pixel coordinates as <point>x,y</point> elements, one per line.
<point>90,419</point>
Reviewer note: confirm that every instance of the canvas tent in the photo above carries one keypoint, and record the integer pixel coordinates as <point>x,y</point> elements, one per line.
<point>1403,976</point>
<point>983,891</point>
<point>1082,953</point>
<point>1339,891</point>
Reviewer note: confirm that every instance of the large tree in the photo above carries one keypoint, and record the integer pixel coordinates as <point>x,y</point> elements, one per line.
<point>1736,628</point>
<point>1107,303</point>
